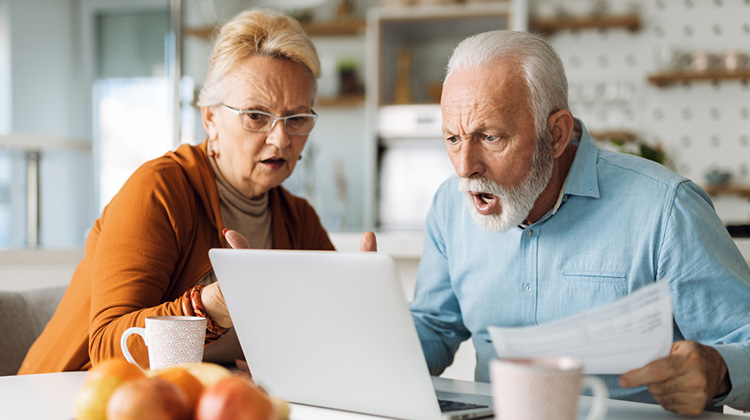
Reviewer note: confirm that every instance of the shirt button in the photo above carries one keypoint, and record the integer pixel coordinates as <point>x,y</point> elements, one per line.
<point>527,287</point>
<point>531,233</point>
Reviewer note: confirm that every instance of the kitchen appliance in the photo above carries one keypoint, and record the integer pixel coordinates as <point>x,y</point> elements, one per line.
<point>413,163</point>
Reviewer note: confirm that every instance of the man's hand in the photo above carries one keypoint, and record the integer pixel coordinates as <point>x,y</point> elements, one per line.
<point>685,381</point>
<point>368,243</point>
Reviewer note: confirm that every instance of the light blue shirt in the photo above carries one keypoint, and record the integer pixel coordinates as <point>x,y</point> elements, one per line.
<point>624,222</point>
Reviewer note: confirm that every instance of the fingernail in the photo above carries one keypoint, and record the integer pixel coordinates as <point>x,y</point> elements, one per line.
<point>224,232</point>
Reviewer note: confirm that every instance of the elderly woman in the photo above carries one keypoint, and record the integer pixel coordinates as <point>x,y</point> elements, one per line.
<point>147,254</point>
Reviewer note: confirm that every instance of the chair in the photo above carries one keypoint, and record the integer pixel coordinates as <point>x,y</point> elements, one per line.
<point>23,316</point>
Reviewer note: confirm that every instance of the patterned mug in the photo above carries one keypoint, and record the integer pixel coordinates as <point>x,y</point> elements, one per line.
<point>171,340</point>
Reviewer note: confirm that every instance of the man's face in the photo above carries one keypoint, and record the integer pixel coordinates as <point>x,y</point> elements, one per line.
<point>491,141</point>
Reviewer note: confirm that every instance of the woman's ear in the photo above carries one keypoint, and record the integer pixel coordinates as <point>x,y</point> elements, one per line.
<point>560,125</point>
<point>209,122</point>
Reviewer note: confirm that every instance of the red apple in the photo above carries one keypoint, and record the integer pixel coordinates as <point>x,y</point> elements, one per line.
<point>148,399</point>
<point>234,398</point>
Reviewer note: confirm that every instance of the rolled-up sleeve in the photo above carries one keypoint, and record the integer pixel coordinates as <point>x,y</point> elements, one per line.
<point>710,285</point>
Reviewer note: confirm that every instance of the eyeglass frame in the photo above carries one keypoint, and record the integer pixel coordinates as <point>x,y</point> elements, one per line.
<point>276,118</point>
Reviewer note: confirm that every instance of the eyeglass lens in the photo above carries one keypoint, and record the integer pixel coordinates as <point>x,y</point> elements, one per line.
<point>263,123</point>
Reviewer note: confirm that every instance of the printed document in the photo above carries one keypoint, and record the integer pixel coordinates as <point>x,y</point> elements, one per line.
<point>612,339</point>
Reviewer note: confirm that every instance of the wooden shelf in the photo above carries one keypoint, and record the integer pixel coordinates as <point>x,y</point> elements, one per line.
<point>728,189</point>
<point>549,25</point>
<point>332,28</point>
<point>626,136</point>
<point>349,100</point>
<point>335,28</point>
<point>663,79</point>
<point>203,32</point>
<point>444,12</point>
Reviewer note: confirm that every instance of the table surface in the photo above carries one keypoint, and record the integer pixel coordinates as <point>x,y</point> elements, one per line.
<point>51,396</point>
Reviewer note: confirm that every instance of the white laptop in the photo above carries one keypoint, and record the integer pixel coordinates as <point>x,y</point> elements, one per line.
<point>333,330</point>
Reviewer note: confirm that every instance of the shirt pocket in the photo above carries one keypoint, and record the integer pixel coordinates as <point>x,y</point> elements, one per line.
<point>584,289</point>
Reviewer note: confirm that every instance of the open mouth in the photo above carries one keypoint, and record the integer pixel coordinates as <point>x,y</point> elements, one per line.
<point>274,161</point>
<point>486,198</point>
<point>485,202</point>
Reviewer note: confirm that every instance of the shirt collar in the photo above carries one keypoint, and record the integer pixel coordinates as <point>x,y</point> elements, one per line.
<point>582,178</point>
<point>560,197</point>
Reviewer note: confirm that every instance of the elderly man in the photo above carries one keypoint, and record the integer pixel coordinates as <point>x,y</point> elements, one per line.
<point>540,224</point>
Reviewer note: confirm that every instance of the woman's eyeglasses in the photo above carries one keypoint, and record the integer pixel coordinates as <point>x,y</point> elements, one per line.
<point>263,122</point>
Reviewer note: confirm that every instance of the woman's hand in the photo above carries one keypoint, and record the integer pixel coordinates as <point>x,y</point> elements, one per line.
<point>235,239</point>
<point>368,243</point>
<point>211,296</point>
<point>213,299</point>
<point>215,306</point>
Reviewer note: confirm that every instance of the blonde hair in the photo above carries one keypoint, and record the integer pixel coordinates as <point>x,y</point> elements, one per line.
<point>257,32</point>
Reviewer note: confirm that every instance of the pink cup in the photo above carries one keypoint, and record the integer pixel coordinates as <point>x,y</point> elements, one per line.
<point>543,388</point>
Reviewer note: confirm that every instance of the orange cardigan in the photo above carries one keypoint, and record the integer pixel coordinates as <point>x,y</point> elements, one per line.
<point>150,245</point>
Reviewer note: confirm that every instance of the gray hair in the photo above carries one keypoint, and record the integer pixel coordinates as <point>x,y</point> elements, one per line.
<point>263,32</point>
<point>541,66</point>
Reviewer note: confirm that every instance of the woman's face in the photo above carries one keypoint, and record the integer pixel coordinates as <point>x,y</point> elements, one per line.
<point>253,163</point>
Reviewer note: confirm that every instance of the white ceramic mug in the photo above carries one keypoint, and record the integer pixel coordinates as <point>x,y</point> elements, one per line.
<point>543,388</point>
<point>171,340</point>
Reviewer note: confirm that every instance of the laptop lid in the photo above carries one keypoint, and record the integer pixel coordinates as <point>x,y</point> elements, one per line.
<point>327,329</point>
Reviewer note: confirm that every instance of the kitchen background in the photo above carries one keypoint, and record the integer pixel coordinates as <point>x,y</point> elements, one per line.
<point>90,89</point>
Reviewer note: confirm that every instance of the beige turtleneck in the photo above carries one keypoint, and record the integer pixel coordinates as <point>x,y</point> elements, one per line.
<point>252,218</point>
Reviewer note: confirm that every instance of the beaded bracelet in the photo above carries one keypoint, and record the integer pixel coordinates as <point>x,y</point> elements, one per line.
<point>193,295</point>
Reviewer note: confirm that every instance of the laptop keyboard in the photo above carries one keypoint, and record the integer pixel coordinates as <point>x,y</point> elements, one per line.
<point>448,406</point>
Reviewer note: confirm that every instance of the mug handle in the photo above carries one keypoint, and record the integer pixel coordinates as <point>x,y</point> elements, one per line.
<point>600,393</point>
<point>124,342</point>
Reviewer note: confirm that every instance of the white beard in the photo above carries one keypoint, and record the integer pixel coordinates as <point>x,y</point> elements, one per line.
<point>517,201</point>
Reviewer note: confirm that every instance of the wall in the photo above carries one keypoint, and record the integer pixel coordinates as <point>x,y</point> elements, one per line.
<point>701,124</point>
<point>28,270</point>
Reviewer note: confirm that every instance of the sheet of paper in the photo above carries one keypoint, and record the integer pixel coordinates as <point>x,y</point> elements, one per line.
<point>611,339</point>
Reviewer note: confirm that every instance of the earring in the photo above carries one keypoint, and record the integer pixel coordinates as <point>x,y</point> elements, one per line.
<point>300,157</point>
<point>212,149</point>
